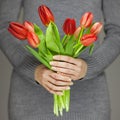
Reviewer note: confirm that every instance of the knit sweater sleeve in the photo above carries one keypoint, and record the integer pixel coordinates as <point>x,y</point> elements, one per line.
<point>22,61</point>
<point>110,48</point>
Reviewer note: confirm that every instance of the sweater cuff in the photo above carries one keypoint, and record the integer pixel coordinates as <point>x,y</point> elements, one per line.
<point>27,68</point>
<point>92,68</point>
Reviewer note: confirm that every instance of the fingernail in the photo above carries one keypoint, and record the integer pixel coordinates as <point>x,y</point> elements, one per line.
<point>69,79</point>
<point>67,88</point>
<point>51,63</point>
<point>71,83</point>
<point>54,57</point>
<point>61,94</point>
<point>53,68</point>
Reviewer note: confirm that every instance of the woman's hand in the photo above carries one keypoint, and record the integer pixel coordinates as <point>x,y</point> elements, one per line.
<point>69,66</point>
<point>55,83</point>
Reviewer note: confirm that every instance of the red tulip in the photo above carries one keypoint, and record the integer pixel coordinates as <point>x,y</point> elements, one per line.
<point>45,14</point>
<point>69,26</point>
<point>18,30</point>
<point>29,26</point>
<point>88,39</point>
<point>96,28</point>
<point>77,31</point>
<point>33,39</point>
<point>86,19</point>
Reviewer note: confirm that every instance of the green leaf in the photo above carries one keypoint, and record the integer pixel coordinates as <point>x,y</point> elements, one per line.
<point>38,56</point>
<point>87,30</point>
<point>42,46</point>
<point>69,46</point>
<point>57,37</point>
<point>39,32</point>
<point>79,50</point>
<point>91,49</point>
<point>63,40</point>
<point>51,40</point>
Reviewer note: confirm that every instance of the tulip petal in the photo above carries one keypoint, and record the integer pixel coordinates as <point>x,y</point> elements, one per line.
<point>45,15</point>
<point>29,26</point>
<point>21,37</point>
<point>96,28</point>
<point>18,28</point>
<point>88,39</point>
<point>86,19</point>
<point>69,26</point>
<point>33,39</point>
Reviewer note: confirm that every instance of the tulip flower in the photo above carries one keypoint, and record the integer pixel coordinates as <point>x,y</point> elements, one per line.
<point>69,26</point>
<point>33,39</point>
<point>96,28</point>
<point>45,14</point>
<point>18,30</point>
<point>29,26</point>
<point>88,39</point>
<point>86,20</point>
<point>77,31</point>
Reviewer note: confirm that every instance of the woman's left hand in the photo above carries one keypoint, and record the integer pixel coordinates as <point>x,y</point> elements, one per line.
<point>69,66</point>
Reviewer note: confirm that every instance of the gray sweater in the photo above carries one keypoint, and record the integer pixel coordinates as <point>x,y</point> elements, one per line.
<point>89,96</point>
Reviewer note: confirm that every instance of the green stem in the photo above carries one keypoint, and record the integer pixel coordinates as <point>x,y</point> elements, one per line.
<point>63,97</point>
<point>56,105</point>
<point>62,102</point>
<point>81,33</point>
<point>75,46</point>
<point>60,105</point>
<point>78,50</point>
<point>67,95</point>
<point>64,38</point>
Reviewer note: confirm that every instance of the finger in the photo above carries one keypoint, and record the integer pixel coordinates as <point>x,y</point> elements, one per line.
<point>60,76</point>
<point>61,80</point>
<point>64,65</point>
<point>63,70</point>
<point>69,75</point>
<point>61,83</point>
<point>67,59</point>
<point>52,91</point>
<point>57,88</point>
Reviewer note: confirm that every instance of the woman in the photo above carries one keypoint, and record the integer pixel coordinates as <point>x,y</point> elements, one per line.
<point>89,94</point>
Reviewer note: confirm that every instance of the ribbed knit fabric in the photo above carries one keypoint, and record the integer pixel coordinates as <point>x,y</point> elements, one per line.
<point>89,96</point>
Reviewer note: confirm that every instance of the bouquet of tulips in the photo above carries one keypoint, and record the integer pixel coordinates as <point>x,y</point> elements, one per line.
<point>43,46</point>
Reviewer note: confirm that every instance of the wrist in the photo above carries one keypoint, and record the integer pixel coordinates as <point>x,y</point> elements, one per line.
<point>84,69</point>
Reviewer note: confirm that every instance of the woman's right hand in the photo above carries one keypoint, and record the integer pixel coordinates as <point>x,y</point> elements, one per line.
<point>54,82</point>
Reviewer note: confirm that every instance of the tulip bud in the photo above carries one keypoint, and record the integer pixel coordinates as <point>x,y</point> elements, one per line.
<point>86,20</point>
<point>88,39</point>
<point>96,28</point>
<point>29,26</point>
<point>33,39</point>
<point>69,26</point>
<point>77,31</point>
<point>45,14</point>
<point>18,30</point>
